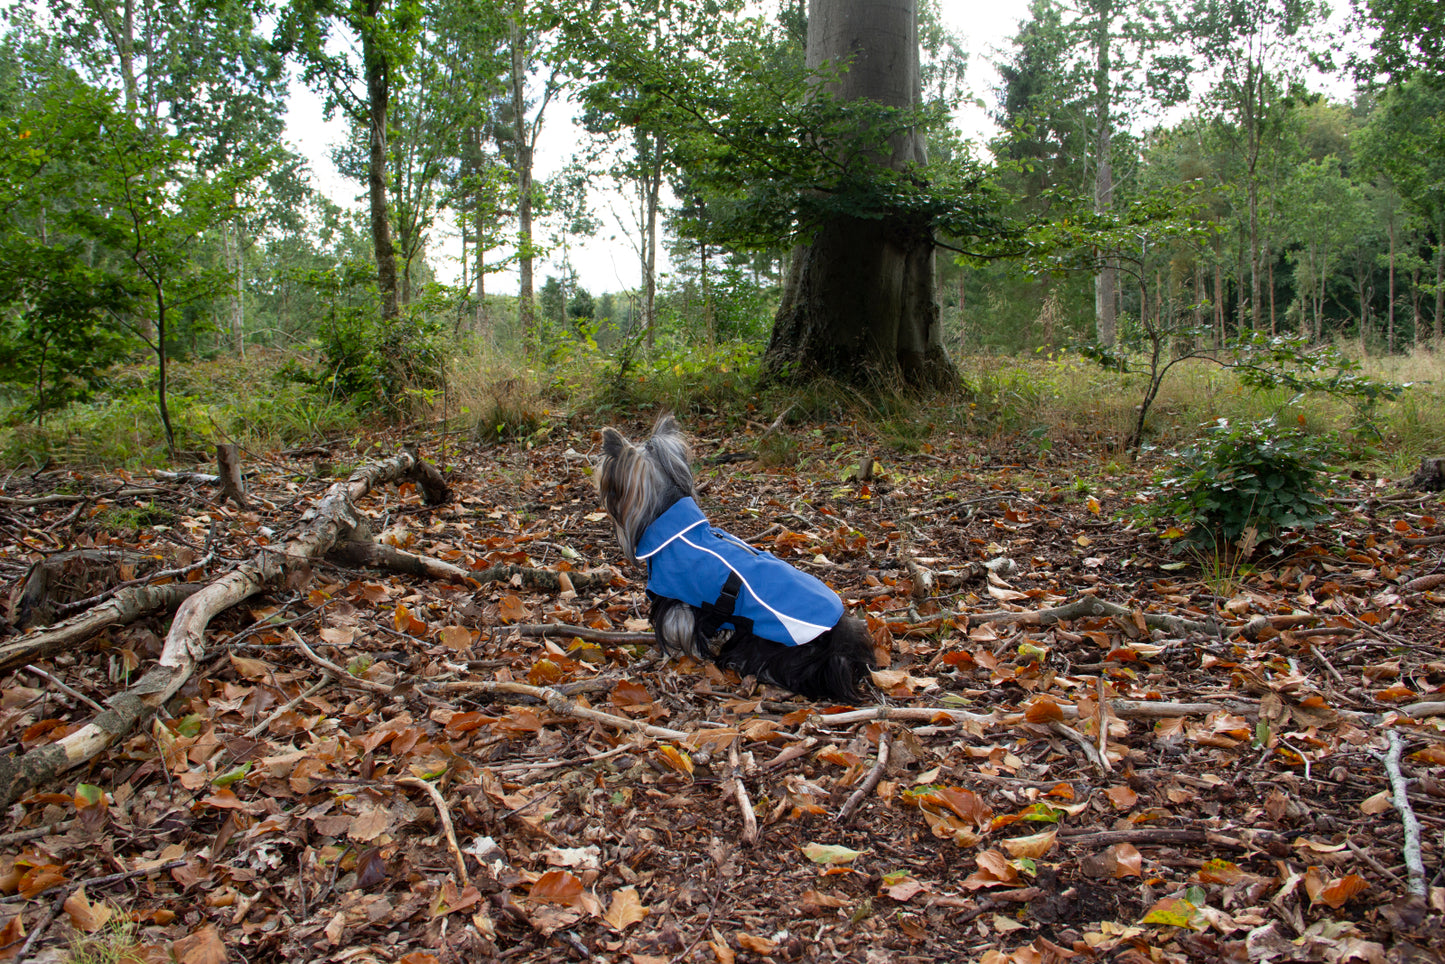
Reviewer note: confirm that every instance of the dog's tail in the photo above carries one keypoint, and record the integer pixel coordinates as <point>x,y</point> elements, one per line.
<point>674,624</point>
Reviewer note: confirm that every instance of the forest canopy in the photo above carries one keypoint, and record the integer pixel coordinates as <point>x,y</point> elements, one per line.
<point>1210,170</point>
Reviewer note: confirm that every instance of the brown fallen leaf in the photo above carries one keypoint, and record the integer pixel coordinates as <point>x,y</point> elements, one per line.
<point>625,910</point>
<point>85,915</point>
<point>202,947</point>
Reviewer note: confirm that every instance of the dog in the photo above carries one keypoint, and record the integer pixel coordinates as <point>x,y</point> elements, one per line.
<point>712,595</point>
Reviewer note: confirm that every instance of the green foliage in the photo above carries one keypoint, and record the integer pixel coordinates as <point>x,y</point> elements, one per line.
<point>512,411</point>
<point>384,365</point>
<point>1245,483</point>
<point>680,378</point>
<point>59,303</point>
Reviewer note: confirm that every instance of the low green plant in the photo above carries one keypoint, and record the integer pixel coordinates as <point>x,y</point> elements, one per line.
<point>115,943</point>
<point>120,520</point>
<point>1246,483</point>
<point>512,411</point>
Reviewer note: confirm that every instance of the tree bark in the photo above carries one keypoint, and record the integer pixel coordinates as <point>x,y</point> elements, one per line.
<point>123,608</point>
<point>378,99</point>
<point>523,145</point>
<point>1106,280</point>
<point>859,305</point>
<point>1439,284</point>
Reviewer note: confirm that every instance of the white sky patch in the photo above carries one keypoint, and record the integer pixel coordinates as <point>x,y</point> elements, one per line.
<point>609,260</point>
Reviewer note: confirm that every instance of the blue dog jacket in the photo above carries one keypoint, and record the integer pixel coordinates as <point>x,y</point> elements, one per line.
<point>691,561</point>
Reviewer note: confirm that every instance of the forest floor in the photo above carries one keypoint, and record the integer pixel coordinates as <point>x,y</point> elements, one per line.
<point>343,778</point>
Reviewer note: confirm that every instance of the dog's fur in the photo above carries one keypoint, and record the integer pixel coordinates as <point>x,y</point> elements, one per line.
<point>637,484</point>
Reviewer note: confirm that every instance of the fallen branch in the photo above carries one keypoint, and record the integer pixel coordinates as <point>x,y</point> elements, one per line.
<point>60,685</point>
<point>444,817</point>
<point>333,519</point>
<point>1418,710</point>
<point>375,555</point>
<point>916,714</point>
<point>178,573</point>
<point>558,703</point>
<point>31,604</point>
<point>336,672</point>
<point>739,790</point>
<point>1399,786</point>
<point>850,808</point>
<point>1090,751</point>
<point>1094,606</point>
<point>545,580</point>
<point>123,608</point>
<point>581,632</point>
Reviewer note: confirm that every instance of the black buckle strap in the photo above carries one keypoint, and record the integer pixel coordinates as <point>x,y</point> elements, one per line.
<point>712,616</point>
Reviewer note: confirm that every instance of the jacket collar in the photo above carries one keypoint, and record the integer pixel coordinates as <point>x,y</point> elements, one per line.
<point>684,514</point>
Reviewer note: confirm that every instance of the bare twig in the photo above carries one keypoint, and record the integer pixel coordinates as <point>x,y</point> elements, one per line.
<point>64,688</point>
<point>740,792</point>
<point>1103,722</point>
<point>444,815</point>
<point>558,703</point>
<point>260,728</point>
<point>1068,732</point>
<point>870,782</point>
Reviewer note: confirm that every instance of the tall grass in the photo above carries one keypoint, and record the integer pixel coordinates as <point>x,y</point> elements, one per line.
<point>1038,402</point>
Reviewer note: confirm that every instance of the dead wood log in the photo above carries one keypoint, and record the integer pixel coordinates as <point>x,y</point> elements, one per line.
<point>333,519</point>
<point>1094,606</point>
<point>33,603</point>
<point>228,470</point>
<point>1430,476</point>
<point>124,607</point>
<point>376,555</point>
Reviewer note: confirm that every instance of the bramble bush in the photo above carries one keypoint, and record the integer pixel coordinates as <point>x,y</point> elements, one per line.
<point>1256,477</point>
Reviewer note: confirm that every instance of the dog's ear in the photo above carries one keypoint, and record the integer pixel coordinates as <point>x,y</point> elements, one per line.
<point>665,425</point>
<point>613,443</point>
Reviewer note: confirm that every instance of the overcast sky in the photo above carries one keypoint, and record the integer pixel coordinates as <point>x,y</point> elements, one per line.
<point>609,262</point>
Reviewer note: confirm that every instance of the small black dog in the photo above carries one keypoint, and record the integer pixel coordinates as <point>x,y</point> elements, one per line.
<point>713,596</point>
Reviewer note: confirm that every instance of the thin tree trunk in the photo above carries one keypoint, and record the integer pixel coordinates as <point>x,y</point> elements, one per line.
<point>1106,279</point>
<point>1439,286</point>
<point>161,353</point>
<point>1390,307</point>
<point>651,192</point>
<point>526,306</point>
<point>1269,261</point>
<point>378,99</point>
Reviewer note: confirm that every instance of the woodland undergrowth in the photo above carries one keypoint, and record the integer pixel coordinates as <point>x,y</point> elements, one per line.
<point>453,741</point>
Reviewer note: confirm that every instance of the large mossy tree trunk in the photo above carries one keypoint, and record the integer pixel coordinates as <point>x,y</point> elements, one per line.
<point>859,302</point>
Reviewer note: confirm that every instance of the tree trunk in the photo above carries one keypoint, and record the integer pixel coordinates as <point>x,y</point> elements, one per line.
<point>526,306</point>
<point>1439,284</point>
<point>1390,305</point>
<point>235,253</point>
<point>1106,280</point>
<point>161,374</point>
<point>651,185</point>
<point>378,99</point>
<point>859,306</point>
<point>1254,121</point>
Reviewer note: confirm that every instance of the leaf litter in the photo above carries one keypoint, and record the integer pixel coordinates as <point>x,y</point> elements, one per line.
<point>1079,747</point>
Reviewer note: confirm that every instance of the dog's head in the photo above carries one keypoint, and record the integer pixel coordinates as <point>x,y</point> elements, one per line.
<point>638,483</point>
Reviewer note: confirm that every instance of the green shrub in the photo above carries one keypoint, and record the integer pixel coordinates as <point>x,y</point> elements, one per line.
<point>1256,478</point>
